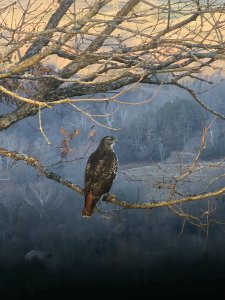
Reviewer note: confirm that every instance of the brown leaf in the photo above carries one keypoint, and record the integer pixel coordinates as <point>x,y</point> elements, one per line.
<point>65,149</point>
<point>64,132</point>
<point>74,133</point>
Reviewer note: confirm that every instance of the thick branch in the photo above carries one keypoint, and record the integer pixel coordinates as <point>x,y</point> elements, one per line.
<point>84,89</point>
<point>23,99</point>
<point>161,49</point>
<point>41,42</point>
<point>34,162</point>
<point>83,60</point>
<point>26,110</point>
<point>22,112</point>
<point>49,50</point>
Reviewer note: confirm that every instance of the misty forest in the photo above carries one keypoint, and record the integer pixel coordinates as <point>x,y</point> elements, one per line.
<point>149,73</point>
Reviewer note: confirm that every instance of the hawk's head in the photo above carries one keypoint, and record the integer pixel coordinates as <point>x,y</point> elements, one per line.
<point>108,141</point>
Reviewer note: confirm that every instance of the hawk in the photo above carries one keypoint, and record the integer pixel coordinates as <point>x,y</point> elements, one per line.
<point>100,172</point>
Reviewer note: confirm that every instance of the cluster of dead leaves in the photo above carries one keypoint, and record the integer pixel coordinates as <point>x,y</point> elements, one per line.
<point>64,146</point>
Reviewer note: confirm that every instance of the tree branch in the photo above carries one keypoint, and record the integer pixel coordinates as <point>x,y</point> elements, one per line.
<point>206,107</point>
<point>34,162</point>
<point>83,60</point>
<point>41,42</point>
<point>23,99</point>
<point>17,115</point>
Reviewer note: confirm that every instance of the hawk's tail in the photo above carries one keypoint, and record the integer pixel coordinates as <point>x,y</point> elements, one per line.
<point>89,205</point>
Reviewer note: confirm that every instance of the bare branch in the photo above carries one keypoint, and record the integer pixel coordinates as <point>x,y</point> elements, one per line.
<point>34,162</point>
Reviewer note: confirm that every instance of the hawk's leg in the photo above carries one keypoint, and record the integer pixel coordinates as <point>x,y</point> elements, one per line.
<point>104,197</point>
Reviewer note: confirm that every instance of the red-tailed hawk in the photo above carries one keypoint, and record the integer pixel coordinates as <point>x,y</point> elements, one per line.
<point>100,172</point>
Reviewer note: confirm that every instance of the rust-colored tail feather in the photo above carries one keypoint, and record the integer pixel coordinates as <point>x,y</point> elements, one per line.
<point>89,205</point>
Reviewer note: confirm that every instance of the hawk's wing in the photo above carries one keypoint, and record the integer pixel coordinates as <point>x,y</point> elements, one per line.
<point>100,173</point>
<point>89,172</point>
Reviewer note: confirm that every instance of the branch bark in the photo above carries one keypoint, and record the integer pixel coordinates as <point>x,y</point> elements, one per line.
<point>34,162</point>
<point>41,42</point>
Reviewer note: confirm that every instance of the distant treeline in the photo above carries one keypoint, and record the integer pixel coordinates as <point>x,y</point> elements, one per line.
<point>153,136</point>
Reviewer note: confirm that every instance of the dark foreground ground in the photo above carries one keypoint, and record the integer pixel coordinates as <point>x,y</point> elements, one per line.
<point>116,254</point>
<point>207,290</point>
<point>37,282</point>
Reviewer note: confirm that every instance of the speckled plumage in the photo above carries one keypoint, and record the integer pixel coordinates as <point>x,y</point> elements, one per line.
<point>100,172</point>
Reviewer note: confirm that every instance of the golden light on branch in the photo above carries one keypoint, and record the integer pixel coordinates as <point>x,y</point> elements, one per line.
<point>24,99</point>
<point>34,162</point>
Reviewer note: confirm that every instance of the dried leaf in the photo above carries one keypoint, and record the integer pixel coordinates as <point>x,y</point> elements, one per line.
<point>65,149</point>
<point>74,133</point>
<point>64,132</point>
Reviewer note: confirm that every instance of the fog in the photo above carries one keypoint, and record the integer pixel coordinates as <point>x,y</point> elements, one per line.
<point>116,249</point>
